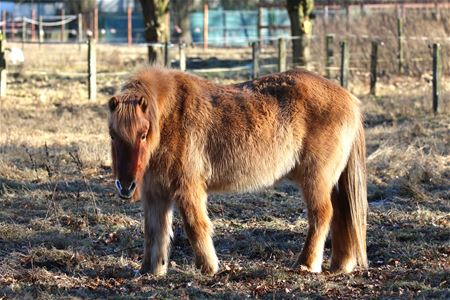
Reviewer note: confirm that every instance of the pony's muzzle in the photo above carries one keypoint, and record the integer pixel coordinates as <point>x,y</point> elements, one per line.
<point>126,193</point>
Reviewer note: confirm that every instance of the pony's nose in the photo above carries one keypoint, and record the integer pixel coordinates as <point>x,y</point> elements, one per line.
<point>124,192</point>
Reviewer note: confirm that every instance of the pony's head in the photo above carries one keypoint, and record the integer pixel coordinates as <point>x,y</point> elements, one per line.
<point>134,131</point>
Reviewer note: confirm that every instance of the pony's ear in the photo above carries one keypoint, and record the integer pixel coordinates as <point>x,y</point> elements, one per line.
<point>143,103</point>
<point>112,103</point>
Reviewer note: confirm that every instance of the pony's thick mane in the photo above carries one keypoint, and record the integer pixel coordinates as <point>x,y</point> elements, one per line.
<point>128,102</point>
<point>124,114</point>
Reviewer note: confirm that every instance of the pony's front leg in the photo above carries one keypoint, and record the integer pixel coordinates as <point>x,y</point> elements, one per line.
<point>157,233</point>
<point>193,208</point>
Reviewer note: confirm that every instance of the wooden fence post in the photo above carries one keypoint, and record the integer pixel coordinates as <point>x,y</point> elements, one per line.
<point>329,51</point>
<point>344,64</point>
<point>130,24</point>
<point>2,66</point>
<point>92,69</point>
<point>373,68</point>
<point>62,25</point>
<point>205,25</point>
<point>24,30</point>
<point>95,29</point>
<point>80,28</point>
<point>437,74</point>
<point>182,54</point>
<point>255,59</point>
<point>33,29</point>
<point>400,42</point>
<point>281,54</point>
<point>166,55</point>
<point>41,30</point>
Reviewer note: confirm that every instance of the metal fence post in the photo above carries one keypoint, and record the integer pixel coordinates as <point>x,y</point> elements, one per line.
<point>255,59</point>
<point>92,69</point>
<point>344,64</point>
<point>373,68</point>
<point>437,74</point>
<point>281,54</point>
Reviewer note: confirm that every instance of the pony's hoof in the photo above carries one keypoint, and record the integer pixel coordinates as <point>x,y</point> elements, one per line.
<point>304,268</point>
<point>156,271</point>
<point>207,265</point>
<point>342,268</point>
<point>209,270</point>
<point>301,266</point>
<point>305,265</point>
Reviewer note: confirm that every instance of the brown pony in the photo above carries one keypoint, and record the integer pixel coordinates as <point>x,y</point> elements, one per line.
<point>177,137</point>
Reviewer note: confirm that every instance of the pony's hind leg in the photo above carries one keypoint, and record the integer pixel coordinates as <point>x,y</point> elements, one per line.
<point>317,192</point>
<point>193,209</point>
<point>343,258</point>
<point>157,233</point>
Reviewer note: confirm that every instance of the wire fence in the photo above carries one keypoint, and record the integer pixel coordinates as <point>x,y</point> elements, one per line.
<point>115,61</point>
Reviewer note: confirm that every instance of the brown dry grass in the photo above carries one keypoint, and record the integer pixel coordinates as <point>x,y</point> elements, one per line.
<point>64,233</point>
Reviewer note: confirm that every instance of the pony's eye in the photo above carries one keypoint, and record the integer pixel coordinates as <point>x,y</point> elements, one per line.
<point>143,137</point>
<point>112,137</point>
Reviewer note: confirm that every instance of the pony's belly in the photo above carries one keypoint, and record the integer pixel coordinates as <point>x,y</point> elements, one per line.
<point>252,173</point>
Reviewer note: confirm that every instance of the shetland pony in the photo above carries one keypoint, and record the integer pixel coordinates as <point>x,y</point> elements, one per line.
<point>177,137</point>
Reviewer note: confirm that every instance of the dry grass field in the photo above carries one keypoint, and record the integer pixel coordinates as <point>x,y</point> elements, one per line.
<point>65,234</point>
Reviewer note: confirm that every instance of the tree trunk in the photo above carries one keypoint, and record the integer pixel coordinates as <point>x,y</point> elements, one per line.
<point>79,6</point>
<point>180,13</point>
<point>301,27</point>
<point>155,27</point>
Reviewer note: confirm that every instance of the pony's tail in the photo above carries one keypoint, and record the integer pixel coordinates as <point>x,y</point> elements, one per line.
<point>350,199</point>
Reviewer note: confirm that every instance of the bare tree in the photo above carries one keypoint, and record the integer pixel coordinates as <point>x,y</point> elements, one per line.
<point>156,30</point>
<point>180,17</point>
<point>301,27</point>
<point>83,7</point>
